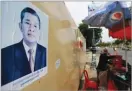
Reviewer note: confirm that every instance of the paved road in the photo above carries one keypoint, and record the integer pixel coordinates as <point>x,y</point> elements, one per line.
<point>120,52</point>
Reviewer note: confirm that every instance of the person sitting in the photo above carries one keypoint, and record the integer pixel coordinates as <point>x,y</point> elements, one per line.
<point>115,51</point>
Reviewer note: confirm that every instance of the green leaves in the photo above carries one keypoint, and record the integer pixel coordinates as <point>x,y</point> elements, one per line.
<point>88,34</point>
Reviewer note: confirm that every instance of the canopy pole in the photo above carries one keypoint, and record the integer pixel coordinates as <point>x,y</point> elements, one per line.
<point>93,62</point>
<point>131,37</point>
<point>125,41</point>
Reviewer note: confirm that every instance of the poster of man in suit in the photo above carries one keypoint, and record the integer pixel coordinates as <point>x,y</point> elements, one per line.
<point>24,43</point>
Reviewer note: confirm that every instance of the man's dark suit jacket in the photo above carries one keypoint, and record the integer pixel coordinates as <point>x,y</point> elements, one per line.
<point>15,64</point>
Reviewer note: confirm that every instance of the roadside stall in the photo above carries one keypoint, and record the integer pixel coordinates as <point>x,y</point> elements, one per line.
<point>116,18</point>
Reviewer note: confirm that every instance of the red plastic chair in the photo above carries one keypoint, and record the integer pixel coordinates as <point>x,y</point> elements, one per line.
<point>89,83</point>
<point>111,86</point>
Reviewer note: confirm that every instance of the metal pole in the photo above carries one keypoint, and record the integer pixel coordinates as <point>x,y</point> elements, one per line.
<point>125,41</point>
<point>131,35</point>
<point>93,37</point>
<point>93,62</point>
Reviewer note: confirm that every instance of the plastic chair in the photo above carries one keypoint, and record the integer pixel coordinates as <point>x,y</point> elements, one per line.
<point>89,83</point>
<point>111,86</point>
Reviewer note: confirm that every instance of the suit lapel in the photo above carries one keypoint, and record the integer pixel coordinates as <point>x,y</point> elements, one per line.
<point>21,59</point>
<point>37,58</point>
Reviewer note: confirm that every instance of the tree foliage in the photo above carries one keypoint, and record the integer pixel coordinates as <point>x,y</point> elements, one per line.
<point>118,41</point>
<point>103,44</point>
<point>88,34</point>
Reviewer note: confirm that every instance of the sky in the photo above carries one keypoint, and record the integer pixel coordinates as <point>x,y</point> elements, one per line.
<point>79,10</point>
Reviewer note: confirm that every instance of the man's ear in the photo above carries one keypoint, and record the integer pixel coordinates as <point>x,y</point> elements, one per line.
<point>20,26</point>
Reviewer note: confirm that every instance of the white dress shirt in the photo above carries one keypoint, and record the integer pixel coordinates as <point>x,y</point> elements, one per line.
<point>27,49</point>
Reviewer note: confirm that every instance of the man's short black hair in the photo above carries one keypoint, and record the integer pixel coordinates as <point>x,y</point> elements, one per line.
<point>29,10</point>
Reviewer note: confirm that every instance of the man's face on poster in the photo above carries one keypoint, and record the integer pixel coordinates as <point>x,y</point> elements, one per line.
<point>30,28</point>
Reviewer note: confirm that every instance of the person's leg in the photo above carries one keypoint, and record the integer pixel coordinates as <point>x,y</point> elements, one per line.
<point>102,80</point>
<point>98,78</point>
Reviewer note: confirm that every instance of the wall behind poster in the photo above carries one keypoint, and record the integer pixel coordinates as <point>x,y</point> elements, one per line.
<point>63,74</point>
<point>11,33</point>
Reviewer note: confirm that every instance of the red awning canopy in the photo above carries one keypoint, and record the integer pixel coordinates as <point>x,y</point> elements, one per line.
<point>120,33</point>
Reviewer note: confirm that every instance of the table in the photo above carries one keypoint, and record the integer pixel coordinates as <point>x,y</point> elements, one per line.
<point>121,82</point>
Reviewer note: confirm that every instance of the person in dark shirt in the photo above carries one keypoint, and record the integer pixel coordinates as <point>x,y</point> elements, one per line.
<point>102,65</point>
<point>103,60</point>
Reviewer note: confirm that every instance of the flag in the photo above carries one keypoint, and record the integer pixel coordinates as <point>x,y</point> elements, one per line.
<point>90,10</point>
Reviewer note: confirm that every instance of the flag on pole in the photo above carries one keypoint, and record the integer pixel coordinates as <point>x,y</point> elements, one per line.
<point>90,10</point>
